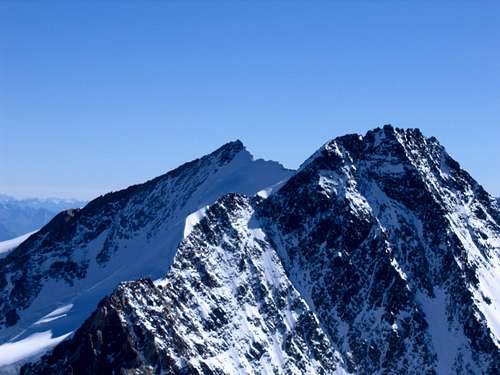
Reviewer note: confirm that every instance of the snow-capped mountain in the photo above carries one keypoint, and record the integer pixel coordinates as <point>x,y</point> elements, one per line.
<point>52,282</point>
<point>20,216</point>
<point>397,250</point>
<point>379,255</point>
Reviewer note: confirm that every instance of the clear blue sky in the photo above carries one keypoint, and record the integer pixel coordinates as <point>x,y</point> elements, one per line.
<point>95,96</point>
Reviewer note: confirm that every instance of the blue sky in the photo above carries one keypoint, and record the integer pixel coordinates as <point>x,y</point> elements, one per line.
<point>95,96</point>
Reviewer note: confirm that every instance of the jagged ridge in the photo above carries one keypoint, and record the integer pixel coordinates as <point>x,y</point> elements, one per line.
<point>193,322</point>
<point>390,247</point>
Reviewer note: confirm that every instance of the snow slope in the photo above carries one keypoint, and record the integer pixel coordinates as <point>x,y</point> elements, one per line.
<point>29,347</point>
<point>82,255</point>
<point>7,246</point>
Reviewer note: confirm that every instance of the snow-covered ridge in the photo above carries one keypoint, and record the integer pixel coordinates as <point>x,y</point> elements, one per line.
<point>224,308</point>
<point>82,255</point>
<point>378,256</point>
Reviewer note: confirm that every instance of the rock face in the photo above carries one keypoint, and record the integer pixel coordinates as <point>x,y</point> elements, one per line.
<point>82,255</point>
<point>225,308</point>
<point>397,249</point>
<point>380,255</point>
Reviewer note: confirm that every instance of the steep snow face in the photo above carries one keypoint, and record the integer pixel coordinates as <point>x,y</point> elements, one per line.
<point>82,255</point>
<point>226,307</point>
<point>396,250</point>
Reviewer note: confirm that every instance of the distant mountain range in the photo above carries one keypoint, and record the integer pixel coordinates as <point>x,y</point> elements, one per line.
<point>380,255</point>
<point>20,216</point>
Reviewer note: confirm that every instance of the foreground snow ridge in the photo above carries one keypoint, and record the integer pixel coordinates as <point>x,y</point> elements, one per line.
<point>231,307</point>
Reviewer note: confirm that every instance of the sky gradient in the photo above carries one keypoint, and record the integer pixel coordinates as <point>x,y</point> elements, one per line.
<point>95,96</point>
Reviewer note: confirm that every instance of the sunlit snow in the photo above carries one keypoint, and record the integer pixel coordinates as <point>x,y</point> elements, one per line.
<point>7,246</point>
<point>28,347</point>
<point>193,219</point>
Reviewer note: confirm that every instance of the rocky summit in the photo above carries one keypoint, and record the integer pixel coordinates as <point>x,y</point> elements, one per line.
<point>380,255</point>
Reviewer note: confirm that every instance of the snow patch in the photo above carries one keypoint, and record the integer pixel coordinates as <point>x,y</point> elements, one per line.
<point>193,219</point>
<point>265,193</point>
<point>28,347</point>
<point>7,246</point>
<point>56,314</point>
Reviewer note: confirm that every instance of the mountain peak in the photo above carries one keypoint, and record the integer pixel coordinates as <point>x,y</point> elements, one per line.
<point>386,140</point>
<point>400,193</point>
<point>230,149</point>
<point>123,235</point>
